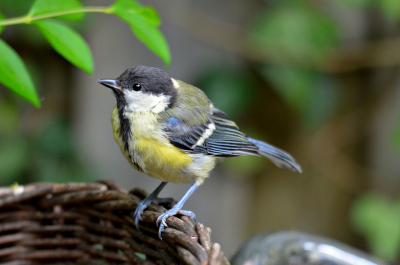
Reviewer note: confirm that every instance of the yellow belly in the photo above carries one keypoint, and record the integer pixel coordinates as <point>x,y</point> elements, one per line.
<point>160,154</point>
<point>156,156</point>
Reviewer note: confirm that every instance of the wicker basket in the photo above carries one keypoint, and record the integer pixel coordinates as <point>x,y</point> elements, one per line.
<point>91,223</point>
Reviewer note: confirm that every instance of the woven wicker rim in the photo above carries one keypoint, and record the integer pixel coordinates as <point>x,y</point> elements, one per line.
<point>91,223</point>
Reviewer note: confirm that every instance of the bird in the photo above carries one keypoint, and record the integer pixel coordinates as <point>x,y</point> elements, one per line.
<point>171,131</point>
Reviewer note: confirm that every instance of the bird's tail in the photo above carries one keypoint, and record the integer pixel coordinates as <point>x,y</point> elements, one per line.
<point>276,155</point>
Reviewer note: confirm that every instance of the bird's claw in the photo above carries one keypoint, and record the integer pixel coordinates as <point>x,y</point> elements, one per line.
<point>161,220</point>
<point>140,209</point>
<point>189,214</point>
<point>137,216</point>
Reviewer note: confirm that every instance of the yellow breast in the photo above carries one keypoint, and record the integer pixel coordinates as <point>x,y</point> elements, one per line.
<point>159,154</point>
<point>150,149</point>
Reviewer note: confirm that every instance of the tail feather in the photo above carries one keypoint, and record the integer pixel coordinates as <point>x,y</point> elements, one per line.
<point>276,155</point>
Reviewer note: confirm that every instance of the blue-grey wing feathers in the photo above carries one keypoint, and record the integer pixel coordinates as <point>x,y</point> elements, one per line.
<point>220,136</point>
<point>227,140</point>
<point>276,155</point>
<point>184,136</point>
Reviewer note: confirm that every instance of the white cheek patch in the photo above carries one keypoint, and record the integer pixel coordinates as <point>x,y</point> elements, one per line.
<point>137,101</point>
<point>175,83</point>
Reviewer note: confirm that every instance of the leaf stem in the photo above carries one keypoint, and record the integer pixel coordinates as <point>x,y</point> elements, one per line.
<point>27,19</point>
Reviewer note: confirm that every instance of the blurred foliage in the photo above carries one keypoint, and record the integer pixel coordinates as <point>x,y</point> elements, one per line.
<point>390,8</point>
<point>313,95</point>
<point>144,23</point>
<point>45,154</point>
<point>378,219</point>
<point>296,36</point>
<point>295,32</point>
<point>230,89</point>
<point>396,136</point>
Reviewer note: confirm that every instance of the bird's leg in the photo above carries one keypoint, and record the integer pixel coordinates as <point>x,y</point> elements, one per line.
<point>143,204</point>
<point>176,209</point>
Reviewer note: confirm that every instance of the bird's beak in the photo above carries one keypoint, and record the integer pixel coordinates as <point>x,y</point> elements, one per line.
<point>110,83</point>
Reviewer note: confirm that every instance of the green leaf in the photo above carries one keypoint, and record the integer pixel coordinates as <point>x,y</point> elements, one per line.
<point>151,15</point>
<point>126,6</point>
<point>131,6</point>
<point>147,33</point>
<point>68,43</point>
<point>144,22</point>
<point>42,7</point>
<point>13,74</point>
<point>2,17</point>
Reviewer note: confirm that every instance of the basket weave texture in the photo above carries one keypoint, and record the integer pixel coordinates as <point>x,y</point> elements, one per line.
<point>92,223</point>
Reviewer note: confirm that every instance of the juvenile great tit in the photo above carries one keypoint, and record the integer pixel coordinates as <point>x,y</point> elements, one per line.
<point>171,131</point>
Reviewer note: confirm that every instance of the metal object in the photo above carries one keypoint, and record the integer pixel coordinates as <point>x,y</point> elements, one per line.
<point>296,248</point>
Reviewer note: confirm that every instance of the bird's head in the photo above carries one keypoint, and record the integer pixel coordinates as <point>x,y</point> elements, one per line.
<point>142,89</point>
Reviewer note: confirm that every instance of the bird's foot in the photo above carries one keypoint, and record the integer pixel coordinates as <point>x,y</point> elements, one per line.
<point>161,220</point>
<point>143,205</point>
<point>140,209</point>
<point>189,214</point>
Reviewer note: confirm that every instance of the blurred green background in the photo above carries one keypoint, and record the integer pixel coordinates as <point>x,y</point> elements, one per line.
<point>319,79</point>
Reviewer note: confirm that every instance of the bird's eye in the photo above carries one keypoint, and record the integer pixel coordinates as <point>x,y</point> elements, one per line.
<point>137,86</point>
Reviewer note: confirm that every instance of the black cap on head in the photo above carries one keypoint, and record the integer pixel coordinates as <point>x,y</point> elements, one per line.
<point>144,80</point>
<point>151,79</point>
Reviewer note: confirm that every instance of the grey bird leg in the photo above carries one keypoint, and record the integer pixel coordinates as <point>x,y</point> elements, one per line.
<point>143,204</point>
<point>176,209</point>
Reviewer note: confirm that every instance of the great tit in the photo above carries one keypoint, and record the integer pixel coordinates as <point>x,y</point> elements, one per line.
<point>171,131</point>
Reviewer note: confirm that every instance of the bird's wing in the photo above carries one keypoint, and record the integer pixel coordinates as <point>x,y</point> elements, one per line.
<point>188,123</point>
<point>195,126</point>
<point>184,136</point>
<point>214,134</point>
<point>227,140</point>
<point>220,136</point>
